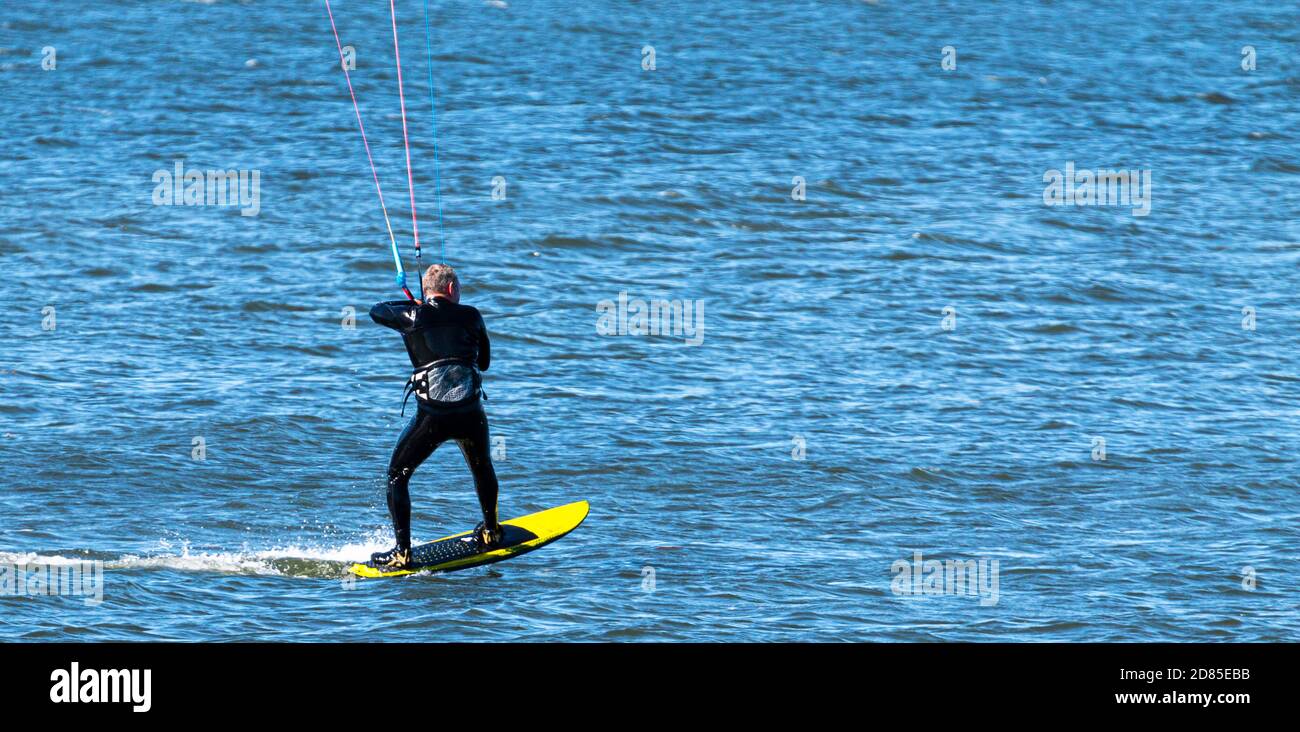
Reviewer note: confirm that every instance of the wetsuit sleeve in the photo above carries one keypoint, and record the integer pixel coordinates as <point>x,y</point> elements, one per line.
<point>392,314</point>
<point>484,347</point>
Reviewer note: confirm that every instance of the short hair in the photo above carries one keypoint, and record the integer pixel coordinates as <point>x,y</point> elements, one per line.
<point>437,277</point>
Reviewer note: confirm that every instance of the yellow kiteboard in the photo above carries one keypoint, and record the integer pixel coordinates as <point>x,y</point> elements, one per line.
<point>459,551</point>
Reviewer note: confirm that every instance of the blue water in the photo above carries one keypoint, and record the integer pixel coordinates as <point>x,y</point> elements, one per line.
<point>824,319</point>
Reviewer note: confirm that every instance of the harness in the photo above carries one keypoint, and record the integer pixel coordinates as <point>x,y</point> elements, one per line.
<point>418,384</point>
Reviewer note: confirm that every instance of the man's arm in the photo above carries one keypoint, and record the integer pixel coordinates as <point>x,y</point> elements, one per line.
<point>484,347</point>
<point>395,314</point>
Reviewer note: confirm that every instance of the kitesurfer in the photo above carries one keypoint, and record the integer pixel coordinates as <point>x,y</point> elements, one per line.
<point>448,346</point>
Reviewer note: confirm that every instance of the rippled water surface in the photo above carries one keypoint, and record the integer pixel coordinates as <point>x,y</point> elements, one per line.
<point>976,437</point>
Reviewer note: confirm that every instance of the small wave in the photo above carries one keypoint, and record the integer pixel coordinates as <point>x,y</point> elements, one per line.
<point>1063,224</point>
<point>556,241</point>
<point>224,563</point>
<point>1279,377</point>
<point>961,241</point>
<point>156,287</point>
<point>262,249</point>
<point>678,149</point>
<point>1054,329</point>
<point>927,475</point>
<point>102,272</point>
<point>319,349</point>
<point>262,306</point>
<point>1216,98</point>
<point>902,256</point>
<point>54,142</point>
<point>35,558</point>
<point>1273,165</point>
<point>896,121</point>
<point>290,561</point>
<point>1098,291</point>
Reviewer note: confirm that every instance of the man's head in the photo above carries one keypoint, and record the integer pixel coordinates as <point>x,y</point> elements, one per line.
<point>440,280</point>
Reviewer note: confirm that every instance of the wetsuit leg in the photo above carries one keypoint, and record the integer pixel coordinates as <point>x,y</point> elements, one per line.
<point>471,434</point>
<point>421,437</point>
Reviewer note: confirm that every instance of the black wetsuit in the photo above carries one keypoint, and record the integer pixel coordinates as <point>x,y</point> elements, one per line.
<point>448,346</point>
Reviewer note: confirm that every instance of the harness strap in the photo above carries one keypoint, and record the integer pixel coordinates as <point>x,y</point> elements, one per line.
<point>410,389</point>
